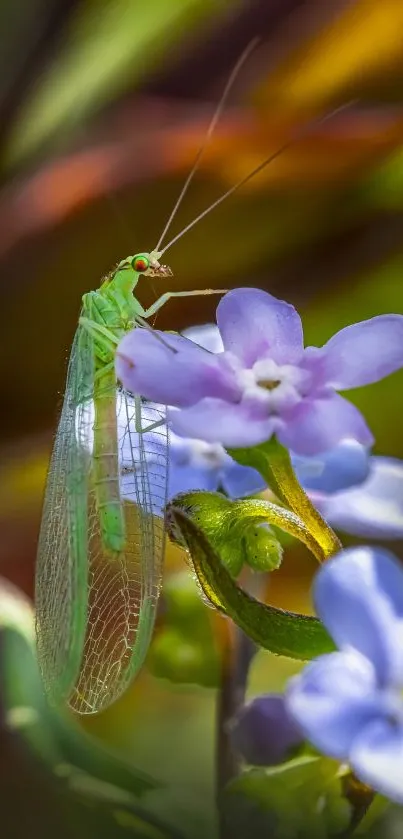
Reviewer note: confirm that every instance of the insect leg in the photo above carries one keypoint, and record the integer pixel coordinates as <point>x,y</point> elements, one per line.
<point>137,418</point>
<point>147,313</point>
<point>98,331</point>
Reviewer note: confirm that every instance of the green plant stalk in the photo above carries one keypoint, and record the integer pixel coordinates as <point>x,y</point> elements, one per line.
<point>274,464</point>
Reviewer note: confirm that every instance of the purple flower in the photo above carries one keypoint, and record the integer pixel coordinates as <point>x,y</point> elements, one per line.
<point>195,464</point>
<point>191,464</point>
<point>374,508</point>
<point>355,492</point>
<point>264,382</point>
<point>263,733</point>
<point>349,704</point>
<point>347,465</point>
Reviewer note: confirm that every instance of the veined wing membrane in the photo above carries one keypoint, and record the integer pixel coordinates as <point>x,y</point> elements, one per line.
<point>124,586</point>
<point>61,572</point>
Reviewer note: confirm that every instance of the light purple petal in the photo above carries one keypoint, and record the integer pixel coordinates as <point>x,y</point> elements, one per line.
<point>240,481</point>
<point>338,469</point>
<point>253,324</point>
<point>217,421</point>
<point>207,336</point>
<point>145,365</point>
<point>317,425</point>
<point>358,595</point>
<point>377,757</point>
<point>373,510</point>
<point>180,450</point>
<point>361,353</point>
<point>332,699</point>
<point>263,733</point>
<point>187,478</point>
<point>377,569</point>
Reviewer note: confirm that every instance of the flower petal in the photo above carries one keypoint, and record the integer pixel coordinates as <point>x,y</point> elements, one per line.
<point>361,353</point>
<point>344,466</point>
<point>181,376</point>
<point>240,481</point>
<point>206,336</point>
<point>253,324</point>
<point>358,595</point>
<point>377,757</point>
<point>317,425</point>
<point>373,510</point>
<point>187,478</point>
<point>217,421</point>
<point>263,733</point>
<point>332,699</point>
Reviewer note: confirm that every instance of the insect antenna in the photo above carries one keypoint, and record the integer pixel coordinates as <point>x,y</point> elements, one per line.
<point>216,116</point>
<point>286,145</point>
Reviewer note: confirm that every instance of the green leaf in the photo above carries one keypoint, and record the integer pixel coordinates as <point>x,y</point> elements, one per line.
<point>51,735</point>
<point>283,633</point>
<point>118,813</point>
<point>302,798</point>
<point>79,790</point>
<point>238,530</point>
<point>375,813</point>
<point>110,45</point>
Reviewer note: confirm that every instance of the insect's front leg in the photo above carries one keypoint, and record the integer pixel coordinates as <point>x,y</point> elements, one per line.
<point>105,342</point>
<point>152,310</point>
<point>138,418</point>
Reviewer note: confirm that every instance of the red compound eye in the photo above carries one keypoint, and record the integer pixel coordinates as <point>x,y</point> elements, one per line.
<point>140,263</point>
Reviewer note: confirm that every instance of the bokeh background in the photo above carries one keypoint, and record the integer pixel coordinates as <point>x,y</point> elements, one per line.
<point>103,105</point>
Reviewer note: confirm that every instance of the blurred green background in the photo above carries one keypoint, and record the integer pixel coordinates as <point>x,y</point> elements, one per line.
<point>103,105</point>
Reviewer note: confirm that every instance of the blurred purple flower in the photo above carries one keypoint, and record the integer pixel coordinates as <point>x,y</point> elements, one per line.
<point>374,508</point>
<point>263,733</point>
<point>195,464</point>
<point>347,465</point>
<point>349,703</point>
<point>264,382</point>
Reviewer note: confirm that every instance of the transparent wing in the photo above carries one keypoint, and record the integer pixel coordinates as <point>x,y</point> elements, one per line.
<point>124,587</point>
<point>61,569</point>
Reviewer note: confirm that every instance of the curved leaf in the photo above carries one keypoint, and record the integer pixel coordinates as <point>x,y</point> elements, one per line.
<point>49,735</point>
<point>273,462</point>
<point>238,530</point>
<point>283,633</point>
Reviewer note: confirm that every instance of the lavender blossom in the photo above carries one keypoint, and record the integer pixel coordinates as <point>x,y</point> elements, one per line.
<point>373,508</point>
<point>347,465</point>
<point>349,703</point>
<point>195,464</point>
<point>263,733</point>
<point>264,383</point>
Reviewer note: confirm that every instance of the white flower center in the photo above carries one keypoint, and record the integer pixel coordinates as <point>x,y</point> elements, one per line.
<point>275,386</point>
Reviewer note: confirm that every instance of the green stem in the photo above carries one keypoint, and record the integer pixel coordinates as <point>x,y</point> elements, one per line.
<point>286,486</point>
<point>237,653</point>
<point>360,797</point>
<point>274,464</point>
